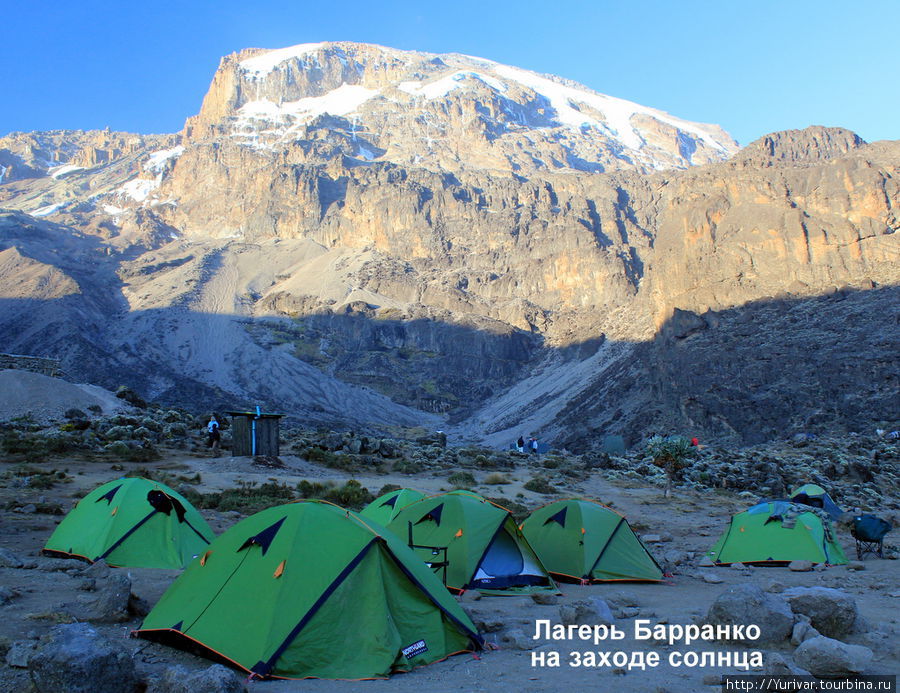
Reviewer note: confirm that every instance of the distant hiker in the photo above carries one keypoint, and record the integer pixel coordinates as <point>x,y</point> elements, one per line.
<point>212,428</point>
<point>695,442</point>
<point>520,444</point>
<point>533,444</point>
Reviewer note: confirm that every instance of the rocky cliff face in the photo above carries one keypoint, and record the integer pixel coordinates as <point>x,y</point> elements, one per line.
<point>358,234</point>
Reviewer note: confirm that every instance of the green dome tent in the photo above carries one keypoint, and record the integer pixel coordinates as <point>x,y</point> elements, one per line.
<point>385,508</point>
<point>778,532</point>
<point>817,497</point>
<point>485,550</point>
<point>584,540</point>
<point>132,522</point>
<point>309,589</point>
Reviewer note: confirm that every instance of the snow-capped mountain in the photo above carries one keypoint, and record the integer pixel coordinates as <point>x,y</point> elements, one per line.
<point>442,111</point>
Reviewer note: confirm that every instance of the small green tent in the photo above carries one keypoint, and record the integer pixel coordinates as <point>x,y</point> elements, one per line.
<point>309,589</point>
<point>817,497</point>
<point>778,532</point>
<point>132,522</point>
<point>584,540</point>
<point>485,550</point>
<point>385,508</point>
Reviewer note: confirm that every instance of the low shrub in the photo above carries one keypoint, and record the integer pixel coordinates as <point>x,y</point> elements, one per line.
<point>539,484</point>
<point>463,480</point>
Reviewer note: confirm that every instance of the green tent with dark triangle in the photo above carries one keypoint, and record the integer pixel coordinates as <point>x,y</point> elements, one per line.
<point>385,508</point>
<point>132,522</point>
<point>584,540</point>
<point>779,532</point>
<point>309,589</point>
<point>473,544</point>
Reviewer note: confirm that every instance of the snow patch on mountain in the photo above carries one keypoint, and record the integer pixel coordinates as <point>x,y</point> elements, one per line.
<point>46,211</point>
<point>59,171</point>
<point>446,84</point>
<point>618,112</point>
<point>157,161</point>
<point>139,189</point>
<point>341,101</point>
<point>265,63</point>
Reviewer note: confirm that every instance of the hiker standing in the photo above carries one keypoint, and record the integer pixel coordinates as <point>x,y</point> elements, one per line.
<point>520,444</point>
<point>212,429</point>
<point>533,444</point>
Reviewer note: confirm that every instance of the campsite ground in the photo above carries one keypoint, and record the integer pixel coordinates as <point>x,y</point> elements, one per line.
<point>687,522</point>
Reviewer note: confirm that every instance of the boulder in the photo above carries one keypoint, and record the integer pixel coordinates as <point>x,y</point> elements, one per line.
<point>7,595</point>
<point>712,578</point>
<point>586,612</point>
<point>56,564</point>
<point>777,665</point>
<point>746,604</point>
<point>823,656</point>
<point>674,557</point>
<point>9,560</point>
<point>110,605</point>
<point>491,626</point>
<point>831,612</point>
<point>544,598</point>
<point>387,448</point>
<point>803,631</point>
<point>75,658</point>
<point>622,599</point>
<point>516,639</point>
<point>801,566</point>
<point>214,679</point>
<point>19,653</point>
<point>97,569</point>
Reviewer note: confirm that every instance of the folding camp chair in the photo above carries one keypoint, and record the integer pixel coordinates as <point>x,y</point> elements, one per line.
<point>869,531</point>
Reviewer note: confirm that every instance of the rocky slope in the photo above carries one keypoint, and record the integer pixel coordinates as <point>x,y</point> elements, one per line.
<point>358,234</point>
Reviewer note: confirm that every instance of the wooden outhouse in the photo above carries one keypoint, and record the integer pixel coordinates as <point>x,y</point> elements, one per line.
<point>254,433</point>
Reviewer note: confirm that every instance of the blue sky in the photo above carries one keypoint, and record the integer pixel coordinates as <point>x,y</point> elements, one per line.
<point>751,67</point>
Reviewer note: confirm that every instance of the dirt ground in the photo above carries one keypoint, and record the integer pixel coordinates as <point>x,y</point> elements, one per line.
<point>688,522</point>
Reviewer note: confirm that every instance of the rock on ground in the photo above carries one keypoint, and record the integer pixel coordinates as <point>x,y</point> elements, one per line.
<point>516,639</point>
<point>801,566</point>
<point>828,657</point>
<point>215,679</point>
<point>9,560</point>
<point>75,658</point>
<point>586,612</point>
<point>803,631</point>
<point>831,612</point>
<point>19,653</point>
<point>112,600</point>
<point>745,605</point>
<point>777,665</point>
